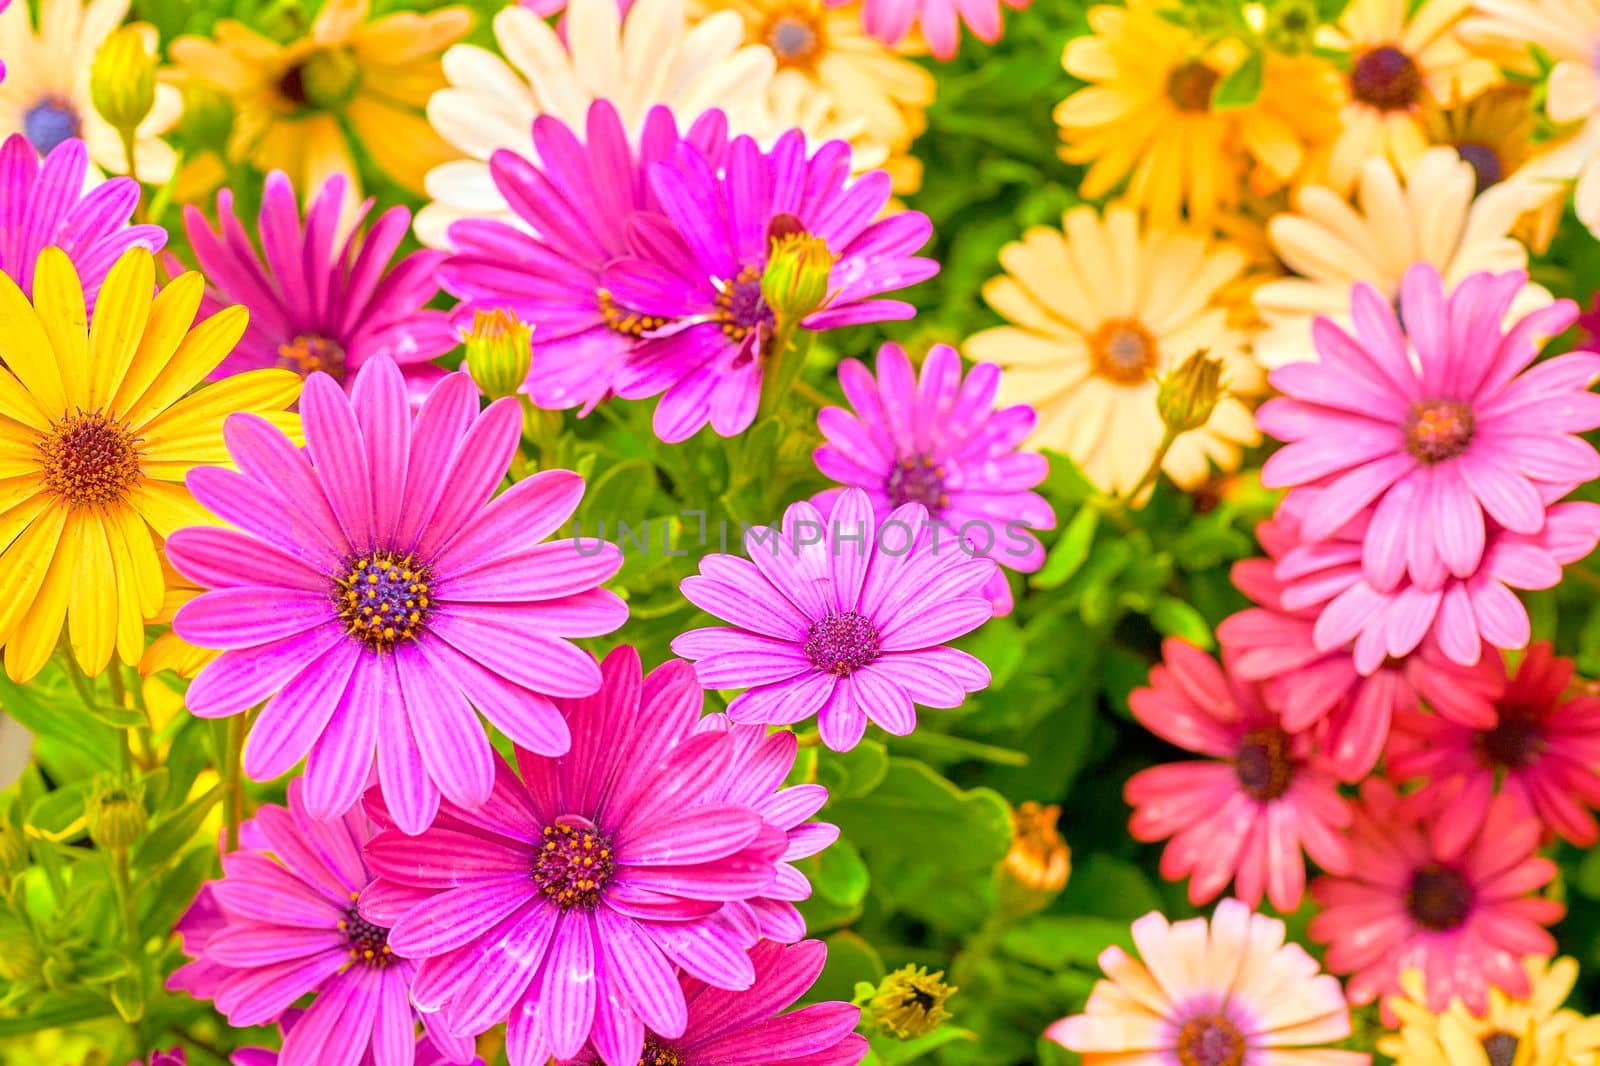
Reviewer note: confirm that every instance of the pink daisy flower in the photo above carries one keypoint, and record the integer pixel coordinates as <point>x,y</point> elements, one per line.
<point>43,203</point>
<point>319,301</point>
<point>844,618</point>
<point>1459,615</point>
<point>1439,434</point>
<point>749,1029</point>
<point>565,904</point>
<point>890,20</point>
<point>1465,920</point>
<point>1248,811</point>
<point>1348,713</point>
<point>426,1052</point>
<point>696,270</point>
<point>576,202</point>
<point>939,441</point>
<point>1542,752</point>
<point>290,928</point>
<point>1227,991</point>
<point>171,1057</point>
<point>372,594</point>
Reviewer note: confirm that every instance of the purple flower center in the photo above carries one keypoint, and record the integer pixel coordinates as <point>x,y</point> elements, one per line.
<point>658,1054</point>
<point>1386,78</point>
<point>621,320</point>
<point>795,37</point>
<point>369,944</point>
<point>1189,87</point>
<point>309,353</point>
<point>383,598</point>
<point>1485,163</point>
<point>1438,430</point>
<point>1515,742</point>
<point>842,643</point>
<point>89,460</point>
<point>1439,898</point>
<point>1123,351</point>
<point>49,122</point>
<point>1264,763</point>
<point>917,481</point>
<point>574,863</point>
<point>740,307</point>
<point>1500,1048</point>
<point>1211,1040</point>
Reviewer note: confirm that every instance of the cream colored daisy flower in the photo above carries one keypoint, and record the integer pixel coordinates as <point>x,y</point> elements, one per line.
<point>45,95</point>
<point>1099,310</point>
<point>1433,217</point>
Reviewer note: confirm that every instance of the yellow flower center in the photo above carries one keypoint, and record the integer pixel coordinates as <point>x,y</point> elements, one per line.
<point>794,35</point>
<point>658,1054</point>
<point>1189,87</point>
<point>1386,78</point>
<point>1123,351</point>
<point>621,320</point>
<point>383,599</point>
<point>307,354</point>
<point>89,460</point>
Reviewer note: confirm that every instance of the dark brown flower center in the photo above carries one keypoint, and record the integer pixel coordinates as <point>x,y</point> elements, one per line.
<point>383,598</point>
<point>621,320</point>
<point>1487,169</point>
<point>1514,743</point>
<point>917,480</point>
<point>1211,1040</point>
<point>1264,763</point>
<point>1386,78</point>
<point>842,643</point>
<point>1123,351</point>
<point>1439,898</point>
<point>1189,87</point>
<point>1438,430</point>
<point>368,943</point>
<point>309,353</point>
<point>574,862</point>
<point>658,1054</point>
<point>89,460</point>
<point>1501,1049</point>
<point>795,37</point>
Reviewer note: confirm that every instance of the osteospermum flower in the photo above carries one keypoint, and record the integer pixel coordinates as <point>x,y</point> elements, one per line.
<point>1465,920</point>
<point>45,96</point>
<point>940,442</point>
<point>1147,115</point>
<point>297,105</point>
<point>98,434</point>
<point>1211,993</point>
<point>290,927</point>
<point>1436,428</point>
<point>43,203</point>
<point>1526,1030</point>
<point>1247,813</point>
<point>748,1027</point>
<point>373,595</point>
<point>698,280</point>
<point>939,20</point>
<point>650,55</point>
<point>1432,218</point>
<point>1100,309</point>
<point>319,300</point>
<point>568,902</point>
<point>425,1053</point>
<point>840,617</point>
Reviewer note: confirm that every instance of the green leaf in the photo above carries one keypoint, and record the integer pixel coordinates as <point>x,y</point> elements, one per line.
<point>1242,87</point>
<point>53,1012</point>
<point>167,839</point>
<point>852,773</point>
<point>838,874</point>
<point>894,1052</point>
<point>1174,618</point>
<point>56,813</point>
<point>115,717</point>
<point>1052,942</point>
<point>128,997</point>
<point>1070,550</point>
<point>851,959</point>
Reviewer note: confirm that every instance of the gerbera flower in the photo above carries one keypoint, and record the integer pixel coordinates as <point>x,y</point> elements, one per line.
<point>1528,1030</point>
<point>647,56</point>
<point>1101,308</point>
<point>1541,751</point>
<point>298,106</point>
<point>1226,991</point>
<point>319,301</point>
<point>840,617</point>
<point>98,432</point>
<point>698,279</point>
<point>939,441</point>
<point>549,269</point>
<point>739,1027</point>
<point>426,1052</point>
<point>42,203</point>
<point>290,928</point>
<point>631,859</point>
<point>940,20</point>
<point>1465,920</point>
<point>373,595</point>
<point>1246,815</point>
<point>46,95</point>
<point>1147,115</point>
<point>1433,219</point>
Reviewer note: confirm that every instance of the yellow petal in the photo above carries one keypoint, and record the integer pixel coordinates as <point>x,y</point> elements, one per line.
<point>198,355</point>
<point>338,20</point>
<point>120,314</point>
<point>58,299</point>
<point>26,349</point>
<point>168,508</point>
<point>148,583</point>
<point>35,638</point>
<point>92,603</point>
<point>171,315</point>
<point>17,404</point>
<point>23,568</point>
<point>192,427</point>
<point>14,519</point>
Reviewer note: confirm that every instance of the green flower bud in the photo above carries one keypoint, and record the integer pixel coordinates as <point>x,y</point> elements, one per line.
<point>795,282</point>
<point>1187,396</point>
<point>122,79</point>
<point>499,352</point>
<point>910,1002</point>
<point>115,813</point>
<point>207,115</point>
<point>1292,25</point>
<point>321,81</point>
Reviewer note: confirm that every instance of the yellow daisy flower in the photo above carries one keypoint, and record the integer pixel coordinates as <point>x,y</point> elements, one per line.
<point>1531,1031</point>
<point>97,431</point>
<point>1432,217</point>
<point>1400,59</point>
<point>298,106</point>
<point>45,95</point>
<point>1100,308</point>
<point>1147,115</point>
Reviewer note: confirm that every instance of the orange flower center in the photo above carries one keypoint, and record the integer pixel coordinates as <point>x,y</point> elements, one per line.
<point>619,319</point>
<point>309,353</point>
<point>1386,78</point>
<point>89,460</point>
<point>1123,351</point>
<point>1189,87</point>
<point>1211,1040</point>
<point>795,37</point>
<point>1438,430</point>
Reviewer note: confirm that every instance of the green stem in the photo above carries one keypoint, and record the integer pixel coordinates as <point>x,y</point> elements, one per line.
<point>129,141</point>
<point>187,1036</point>
<point>80,681</point>
<point>147,746</point>
<point>123,885</point>
<point>790,346</point>
<point>233,775</point>
<point>1153,471</point>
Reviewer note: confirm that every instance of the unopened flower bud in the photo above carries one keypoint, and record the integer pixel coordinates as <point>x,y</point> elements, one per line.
<point>795,282</point>
<point>115,813</point>
<point>122,79</point>
<point>499,352</point>
<point>1292,26</point>
<point>1035,870</point>
<point>910,1002</point>
<point>1187,396</point>
<point>324,80</point>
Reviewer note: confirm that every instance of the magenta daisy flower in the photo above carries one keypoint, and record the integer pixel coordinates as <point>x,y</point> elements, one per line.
<point>890,20</point>
<point>1459,615</point>
<point>1440,432</point>
<point>565,904</point>
<point>844,618</point>
<point>319,302</point>
<point>426,1052</point>
<point>1465,920</point>
<point>290,928</point>
<point>1246,813</point>
<point>42,203</point>
<point>939,441</point>
<point>696,271</point>
<point>749,1028</point>
<point>372,594</point>
<point>575,204</point>
<point>171,1057</point>
<point>1541,752</point>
